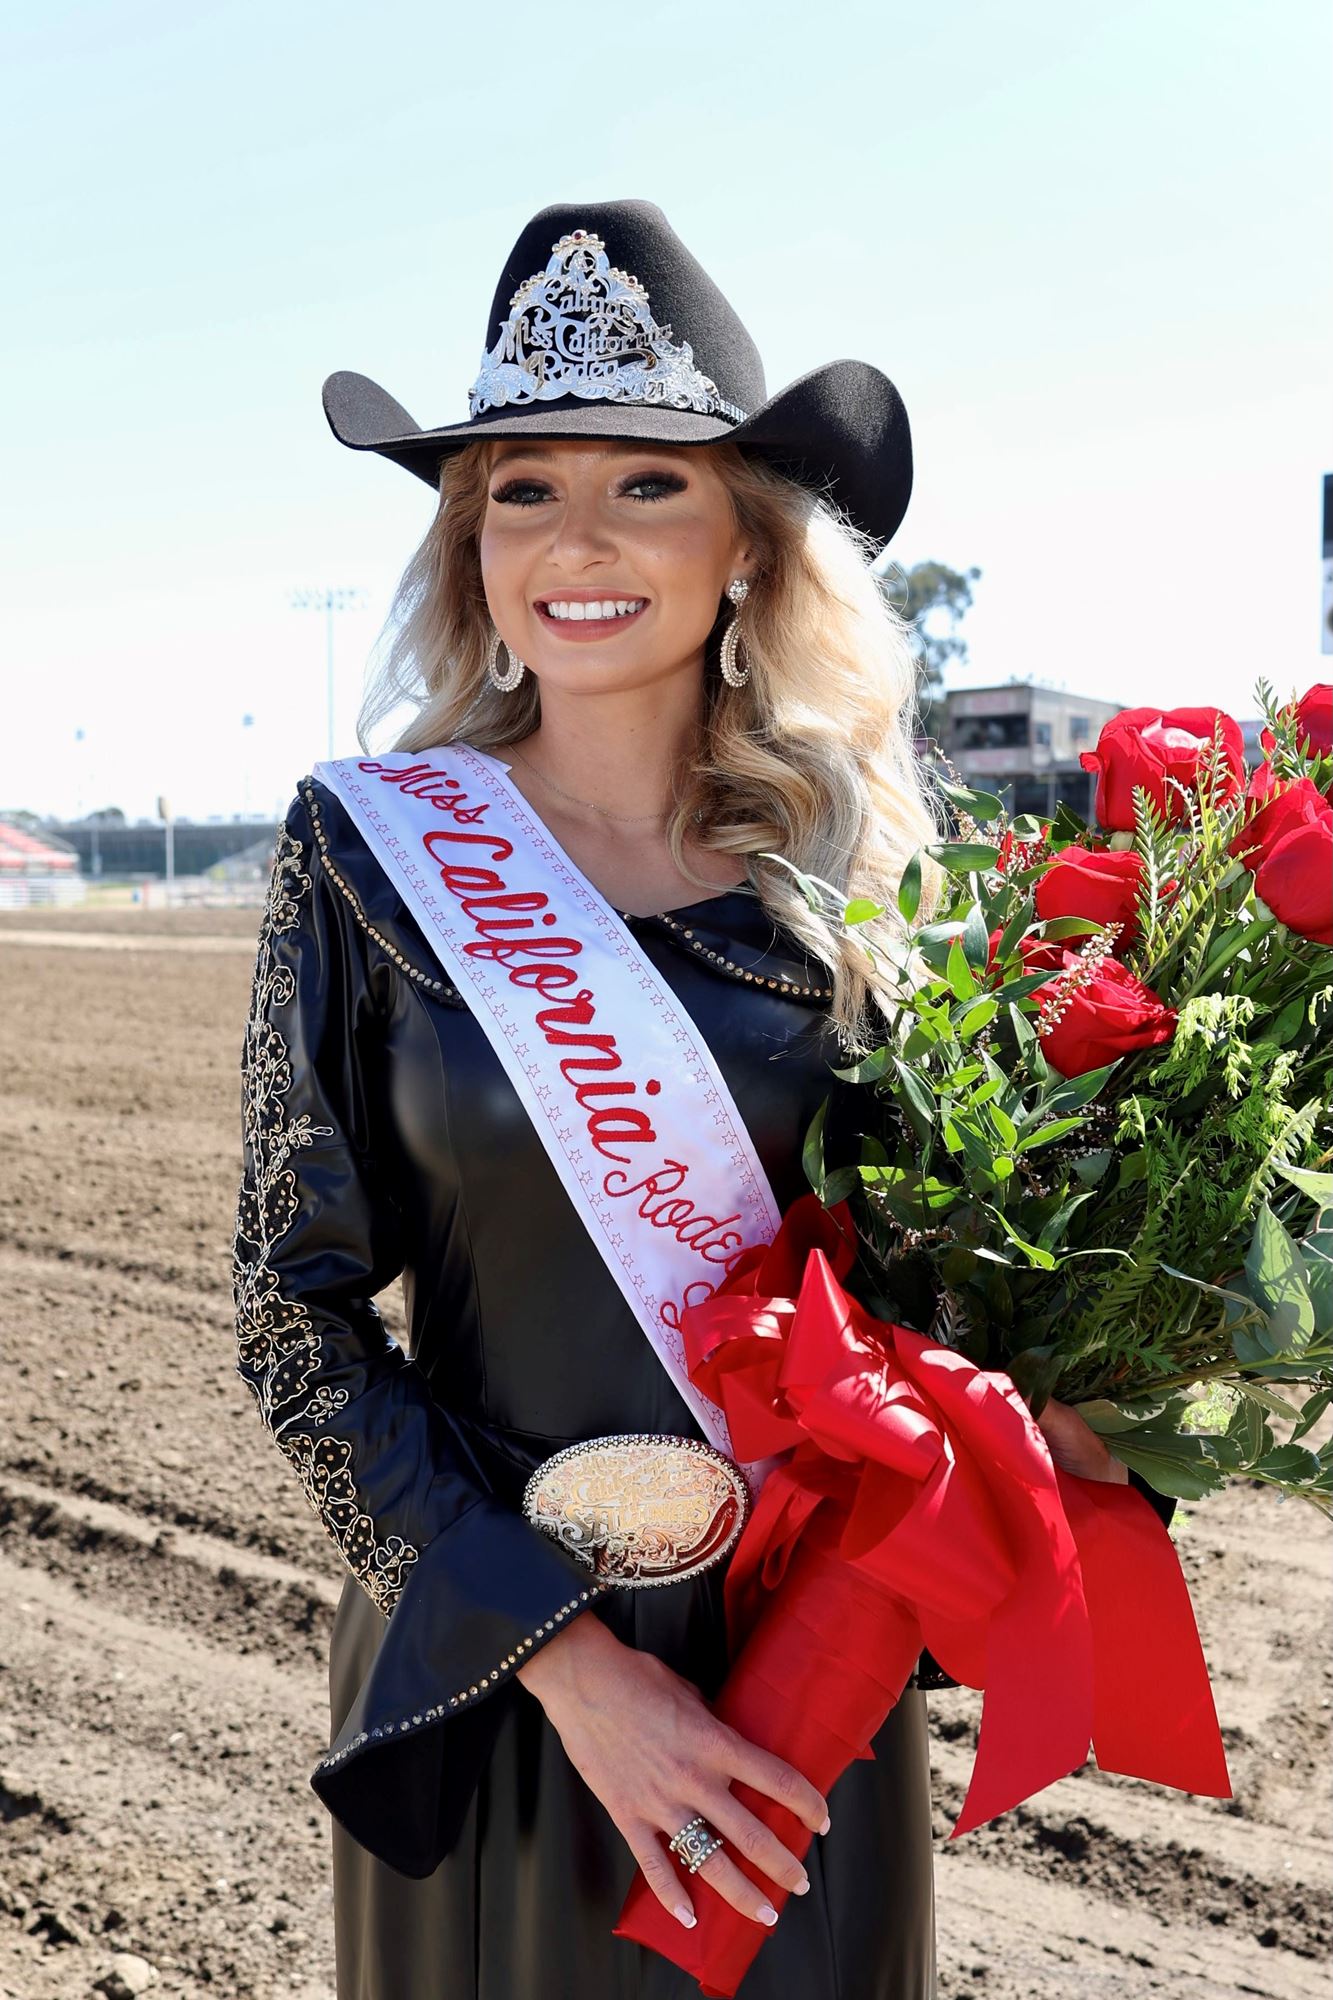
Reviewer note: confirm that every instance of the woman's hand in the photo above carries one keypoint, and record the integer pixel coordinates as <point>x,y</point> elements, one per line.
<point>1076,1447</point>
<point>648,1746</point>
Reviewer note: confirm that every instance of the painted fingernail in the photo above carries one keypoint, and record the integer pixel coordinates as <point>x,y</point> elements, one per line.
<point>686,1915</point>
<point>802,1886</point>
<point>827,1824</point>
<point>767,1914</point>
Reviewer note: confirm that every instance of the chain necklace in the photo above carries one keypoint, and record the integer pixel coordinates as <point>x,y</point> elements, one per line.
<point>640,818</point>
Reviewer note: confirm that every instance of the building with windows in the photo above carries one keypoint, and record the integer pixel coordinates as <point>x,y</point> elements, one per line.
<point>1023,741</point>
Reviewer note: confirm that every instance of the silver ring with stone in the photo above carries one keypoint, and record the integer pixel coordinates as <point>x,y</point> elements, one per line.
<point>694,1843</point>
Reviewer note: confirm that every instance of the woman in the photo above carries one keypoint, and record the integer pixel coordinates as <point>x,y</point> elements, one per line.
<point>643,615</point>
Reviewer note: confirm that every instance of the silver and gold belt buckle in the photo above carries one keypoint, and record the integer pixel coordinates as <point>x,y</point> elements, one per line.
<point>640,1508</point>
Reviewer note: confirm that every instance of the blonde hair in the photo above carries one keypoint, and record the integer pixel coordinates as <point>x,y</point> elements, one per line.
<point>812,760</point>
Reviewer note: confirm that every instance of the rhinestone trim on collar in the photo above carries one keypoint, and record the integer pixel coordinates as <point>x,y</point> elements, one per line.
<point>582,328</point>
<point>430,981</point>
<point>443,991</point>
<point>750,978</point>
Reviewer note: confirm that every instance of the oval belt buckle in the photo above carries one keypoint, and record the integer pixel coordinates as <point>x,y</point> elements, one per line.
<point>640,1508</point>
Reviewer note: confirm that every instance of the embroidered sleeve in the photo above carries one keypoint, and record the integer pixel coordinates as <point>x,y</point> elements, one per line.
<point>286,1357</point>
<point>468,1588</point>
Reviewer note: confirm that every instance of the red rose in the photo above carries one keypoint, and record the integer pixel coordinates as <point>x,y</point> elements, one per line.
<point>1300,804</point>
<point>1092,1020</point>
<point>1295,878</point>
<point>1035,954</point>
<point>1314,722</point>
<point>1159,749</point>
<point>1103,887</point>
<point>1263,783</point>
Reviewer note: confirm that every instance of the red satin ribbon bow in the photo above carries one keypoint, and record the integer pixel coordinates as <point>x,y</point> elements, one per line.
<point>919,1504</point>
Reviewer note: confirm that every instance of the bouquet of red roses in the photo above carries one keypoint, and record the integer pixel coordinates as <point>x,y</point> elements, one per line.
<point>1094,1148</point>
<point>1088,1142</point>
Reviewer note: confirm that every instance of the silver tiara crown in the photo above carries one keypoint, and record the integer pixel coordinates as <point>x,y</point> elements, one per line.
<point>581,328</point>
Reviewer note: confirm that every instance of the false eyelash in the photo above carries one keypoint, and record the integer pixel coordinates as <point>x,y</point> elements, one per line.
<point>671,481</point>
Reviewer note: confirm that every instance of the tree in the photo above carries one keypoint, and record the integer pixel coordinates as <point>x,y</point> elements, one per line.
<point>927,595</point>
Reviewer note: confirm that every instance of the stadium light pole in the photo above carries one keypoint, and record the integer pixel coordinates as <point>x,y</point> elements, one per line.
<point>329,602</point>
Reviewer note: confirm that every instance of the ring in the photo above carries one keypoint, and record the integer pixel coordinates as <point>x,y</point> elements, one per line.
<point>694,1843</point>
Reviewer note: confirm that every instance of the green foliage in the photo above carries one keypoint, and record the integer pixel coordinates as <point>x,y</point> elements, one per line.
<point>1131,1238</point>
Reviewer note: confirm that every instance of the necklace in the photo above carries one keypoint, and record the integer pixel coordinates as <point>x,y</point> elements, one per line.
<point>638,817</point>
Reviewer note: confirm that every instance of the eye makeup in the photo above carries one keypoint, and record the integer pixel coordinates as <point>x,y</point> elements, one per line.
<point>522,491</point>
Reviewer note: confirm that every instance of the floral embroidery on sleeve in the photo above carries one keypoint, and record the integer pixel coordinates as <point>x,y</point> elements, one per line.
<point>279,1349</point>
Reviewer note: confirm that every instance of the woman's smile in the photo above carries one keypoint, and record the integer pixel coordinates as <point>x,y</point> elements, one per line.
<point>589,614</point>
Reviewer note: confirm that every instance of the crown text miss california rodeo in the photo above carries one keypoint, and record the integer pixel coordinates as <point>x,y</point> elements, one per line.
<point>541,1019</point>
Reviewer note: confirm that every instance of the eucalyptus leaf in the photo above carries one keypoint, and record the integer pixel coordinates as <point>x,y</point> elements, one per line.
<point>1057,1129</point>
<point>1275,1270</point>
<point>909,889</point>
<point>1310,1415</point>
<point>839,1184</point>
<point>924,1037</point>
<point>1287,1024</point>
<point>980,806</point>
<point>962,857</point>
<point>1249,1430</point>
<point>977,1149</point>
<point>1290,1463</point>
<point>976,1018</point>
<point>870,1068</point>
<point>1022,988</point>
<point>1074,1092</point>
<point>1015,929</point>
<point>1043,1259</point>
<point>1053,1232</point>
<point>1056,928</point>
<point>936,942</point>
<point>1111,1416</point>
<point>1174,1469</point>
<point>917,1101</point>
<point>1024,1032</point>
<point>1317,1250</point>
<point>958,972</point>
<point>976,940</point>
<point>812,1151</point>
<point>1318,1185</point>
<point>1276,1406</point>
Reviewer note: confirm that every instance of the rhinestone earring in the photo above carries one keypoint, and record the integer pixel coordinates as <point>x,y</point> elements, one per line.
<point>734,674</point>
<point>512,674</point>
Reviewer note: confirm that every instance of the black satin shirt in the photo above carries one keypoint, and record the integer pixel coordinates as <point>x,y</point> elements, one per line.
<point>382,1136</point>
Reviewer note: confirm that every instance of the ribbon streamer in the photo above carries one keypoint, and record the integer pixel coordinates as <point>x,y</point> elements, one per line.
<point>918,1505</point>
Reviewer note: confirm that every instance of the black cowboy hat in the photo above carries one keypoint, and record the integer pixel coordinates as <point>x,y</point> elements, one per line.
<point>608,328</point>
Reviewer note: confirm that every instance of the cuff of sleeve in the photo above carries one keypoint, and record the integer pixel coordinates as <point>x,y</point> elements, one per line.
<point>1162,1504</point>
<point>485,1595</point>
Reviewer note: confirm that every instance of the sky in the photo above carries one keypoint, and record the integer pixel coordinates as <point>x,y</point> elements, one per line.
<point>1089,244</point>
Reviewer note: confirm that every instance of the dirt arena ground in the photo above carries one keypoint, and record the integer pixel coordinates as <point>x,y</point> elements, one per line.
<point>165,1595</point>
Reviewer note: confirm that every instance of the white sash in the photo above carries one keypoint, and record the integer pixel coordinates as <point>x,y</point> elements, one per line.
<point>619,1084</point>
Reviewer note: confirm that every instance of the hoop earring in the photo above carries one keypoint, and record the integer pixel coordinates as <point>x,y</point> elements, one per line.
<point>512,674</point>
<point>733,674</point>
